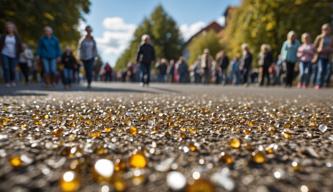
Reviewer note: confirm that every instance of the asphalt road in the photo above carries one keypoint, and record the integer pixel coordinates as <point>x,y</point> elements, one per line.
<point>216,138</point>
<point>124,89</point>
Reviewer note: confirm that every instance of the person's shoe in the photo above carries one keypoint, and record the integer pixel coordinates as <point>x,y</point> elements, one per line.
<point>142,84</point>
<point>89,86</point>
<point>317,87</point>
<point>7,85</point>
<point>299,85</point>
<point>13,84</point>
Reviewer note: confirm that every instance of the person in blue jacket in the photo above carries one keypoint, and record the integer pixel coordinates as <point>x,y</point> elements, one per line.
<point>49,52</point>
<point>289,56</point>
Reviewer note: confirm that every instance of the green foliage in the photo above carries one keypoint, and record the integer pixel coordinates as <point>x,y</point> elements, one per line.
<point>209,40</point>
<point>164,34</point>
<point>31,16</point>
<point>260,21</point>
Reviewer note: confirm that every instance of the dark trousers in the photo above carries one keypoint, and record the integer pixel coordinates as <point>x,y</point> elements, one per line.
<point>329,74</point>
<point>8,67</point>
<point>108,76</point>
<point>25,71</point>
<point>245,74</point>
<point>88,67</point>
<point>290,73</point>
<point>145,71</point>
<point>322,71</point>
<point>224,77</point>
<point>206,75</point>
<point>265,75</point>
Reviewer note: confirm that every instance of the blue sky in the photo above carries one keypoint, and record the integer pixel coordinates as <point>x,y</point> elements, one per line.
<point>114,21</point>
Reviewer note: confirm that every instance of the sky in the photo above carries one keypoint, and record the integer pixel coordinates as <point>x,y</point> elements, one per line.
<point>114,21</point>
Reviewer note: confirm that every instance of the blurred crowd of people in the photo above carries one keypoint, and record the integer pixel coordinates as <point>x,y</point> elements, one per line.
<point>47,64</point>
<point>311,62</point>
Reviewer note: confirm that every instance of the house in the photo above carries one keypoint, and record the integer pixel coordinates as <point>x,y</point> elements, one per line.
<point>215,26</point>
<point>211,26</point>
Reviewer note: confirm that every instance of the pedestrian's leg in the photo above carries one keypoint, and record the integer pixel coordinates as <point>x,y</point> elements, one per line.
<point>206,80</point>
<point>142,73</point>
<point>85,65</point>
<point>262,76</point>
<point>148,73</point>
<point>319,72</point>
<point>322,69</point>
<point>53,70</point>
<point>88,65</point>
<point>70,77</point>
<point>302,67</point>
<point>307,74</point>
<point>65,76</point>
<point>328,74</point>
<point>292,75</point>
<point>12,68</point>
<point>25,71</point>
<point>289,75</point>
<point>5,68</point>
<point>246,77</point>
<point>314,73</point>
<point>46,71</point>
<point>267,76</point>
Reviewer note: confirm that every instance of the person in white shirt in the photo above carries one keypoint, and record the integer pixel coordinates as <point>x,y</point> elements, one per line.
<point>10,49</point>
<point>88,53</point>
<point>25,61</point>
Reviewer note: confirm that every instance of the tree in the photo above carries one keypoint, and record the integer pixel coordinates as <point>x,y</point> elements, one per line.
<point>164,34</point>
<point>31,16</point>
<point>259,21</point>
<point>209,40</point>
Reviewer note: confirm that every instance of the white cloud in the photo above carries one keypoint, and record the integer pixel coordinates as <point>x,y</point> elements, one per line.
<point>221,20</point>
<point>189,30</point>
<point>115,38</point>
<point>117,35</point>
<point>117,24</point>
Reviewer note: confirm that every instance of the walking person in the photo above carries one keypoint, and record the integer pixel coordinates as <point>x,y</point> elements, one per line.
<point>69,62</point>
<point>49,53</point>
<point>171,71</point>
<point>223,61</point>
<point>289,56</point>
<point>196,70</point>
<point>305,54</point>
<point>11,48</point>
<point>324,49</point>
<point>25,62</point>
<point>235,71</point>
<point>182,70</point>
<point>162,67</point>
<point>108,72</point>
<point>88,53</point>
<point>206,66</point>
<point>76,72</point>
<point>265,62</point>
<point>217,73</point>
<point>246,64</point>
<point>145,56</point>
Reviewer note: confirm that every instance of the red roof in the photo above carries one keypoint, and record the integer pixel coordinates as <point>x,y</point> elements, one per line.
<point>212,26</point>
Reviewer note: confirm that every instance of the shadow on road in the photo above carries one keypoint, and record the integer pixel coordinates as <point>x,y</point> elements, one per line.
<point>164,89</point>
<point>39,90</point>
